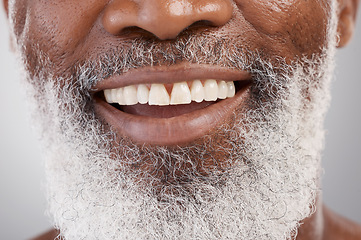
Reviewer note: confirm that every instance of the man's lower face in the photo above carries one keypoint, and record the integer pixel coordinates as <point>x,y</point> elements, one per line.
<point>253,177</point>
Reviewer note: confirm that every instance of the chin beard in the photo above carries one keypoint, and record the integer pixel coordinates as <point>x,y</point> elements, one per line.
<point>263,190</point>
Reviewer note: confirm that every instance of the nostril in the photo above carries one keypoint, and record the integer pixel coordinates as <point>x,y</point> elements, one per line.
<point>201,24</point>
<point>134,31</point>
<point>161,19</point>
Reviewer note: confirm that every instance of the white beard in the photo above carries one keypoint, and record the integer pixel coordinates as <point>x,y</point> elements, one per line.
<point>270,188</point>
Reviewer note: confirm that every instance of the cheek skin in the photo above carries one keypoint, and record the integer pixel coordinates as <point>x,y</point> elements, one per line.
<point>287,28</point>
<point>59,28</point>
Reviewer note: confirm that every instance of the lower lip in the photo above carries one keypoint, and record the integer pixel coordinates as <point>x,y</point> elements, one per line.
<point>177,130</point>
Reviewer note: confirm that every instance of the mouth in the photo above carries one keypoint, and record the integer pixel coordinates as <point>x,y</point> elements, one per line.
<point>170,106</point>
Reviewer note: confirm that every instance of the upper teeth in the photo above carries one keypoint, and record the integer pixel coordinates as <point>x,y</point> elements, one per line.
<point>157,93</point>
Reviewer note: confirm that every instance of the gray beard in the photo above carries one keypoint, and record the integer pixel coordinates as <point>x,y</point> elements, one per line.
<point>267,186</point>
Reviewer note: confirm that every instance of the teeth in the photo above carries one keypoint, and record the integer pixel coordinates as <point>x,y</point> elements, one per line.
<point>180,94</point>
<point>114,95</point>
<point>108,96</point>
<point>130,95</point>
<point>197,91</point>
<point>143,94</point>
<point>210,90</point>
<point>117,96</point>
<point>222,90</point>
<point>158,95</point>
<point>231,89</point>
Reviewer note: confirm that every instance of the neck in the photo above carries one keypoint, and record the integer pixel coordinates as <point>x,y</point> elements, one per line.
<point>327,225</point>
<point>313,227</point>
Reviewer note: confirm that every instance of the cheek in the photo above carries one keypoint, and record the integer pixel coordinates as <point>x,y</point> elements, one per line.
<point>292,27</point>
<point>308,28</point>
<point>57,27</point>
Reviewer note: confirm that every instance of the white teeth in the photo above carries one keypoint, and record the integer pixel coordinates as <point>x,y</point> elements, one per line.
<point>222,90</point>
<point>114,95</point>
<point>231,89</point>
<point>118,96</point>
<point>158,95</point>
<point>143,94</point>
<point>180,94</point>
<point>197,91</point>
<point>108,96</point>
<point>130,95</point>
<point>210,90</point>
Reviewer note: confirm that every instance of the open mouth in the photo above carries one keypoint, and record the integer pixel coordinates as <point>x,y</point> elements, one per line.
<point>170,112</point>
<point>170,100</point>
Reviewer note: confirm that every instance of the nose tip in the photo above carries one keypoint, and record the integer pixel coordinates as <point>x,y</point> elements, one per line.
<point>164,18</point>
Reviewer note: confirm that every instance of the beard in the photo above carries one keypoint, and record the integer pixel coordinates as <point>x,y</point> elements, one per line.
<point>263,180</point>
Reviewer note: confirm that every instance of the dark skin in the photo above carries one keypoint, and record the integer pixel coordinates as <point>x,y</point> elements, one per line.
<point>72,31</point>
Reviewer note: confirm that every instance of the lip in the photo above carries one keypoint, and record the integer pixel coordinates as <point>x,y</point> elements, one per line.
<point>171,74</point>
<point>177,130</point>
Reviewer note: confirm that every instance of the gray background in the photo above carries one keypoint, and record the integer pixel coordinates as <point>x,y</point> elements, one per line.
<point>22,204</point>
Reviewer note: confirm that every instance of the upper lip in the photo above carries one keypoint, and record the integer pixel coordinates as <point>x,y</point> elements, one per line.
<point>171,74</point>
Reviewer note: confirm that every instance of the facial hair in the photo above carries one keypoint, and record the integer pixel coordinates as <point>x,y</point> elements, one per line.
<point>267,186</point>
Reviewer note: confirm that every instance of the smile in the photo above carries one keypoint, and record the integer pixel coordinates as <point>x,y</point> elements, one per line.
<point>180,93</point>
<point>170,106</point>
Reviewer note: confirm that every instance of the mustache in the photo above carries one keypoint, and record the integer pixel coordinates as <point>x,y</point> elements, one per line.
<point>147,52</point>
